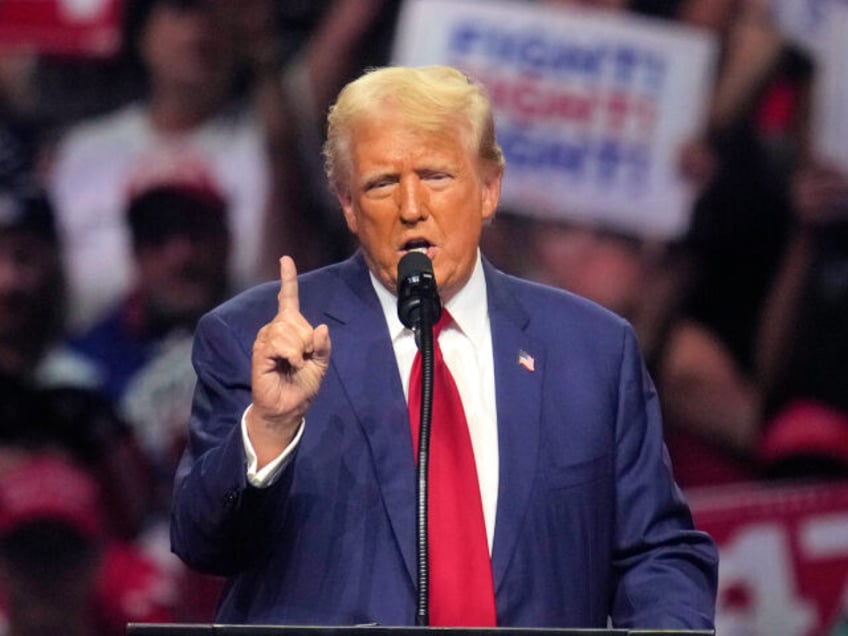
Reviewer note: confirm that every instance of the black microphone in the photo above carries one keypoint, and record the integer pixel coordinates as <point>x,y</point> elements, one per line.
<point>419,304</point>
<point>419,308</point>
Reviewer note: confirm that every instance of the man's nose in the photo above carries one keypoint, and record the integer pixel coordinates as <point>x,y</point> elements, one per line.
<point>180,246</point>
<point>414,202</point>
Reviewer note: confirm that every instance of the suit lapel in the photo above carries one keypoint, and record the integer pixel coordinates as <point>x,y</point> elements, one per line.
<point>366,367</point>
<point>518,386</point>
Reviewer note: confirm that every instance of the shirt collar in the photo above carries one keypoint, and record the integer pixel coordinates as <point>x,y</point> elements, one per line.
<point>468,306</point>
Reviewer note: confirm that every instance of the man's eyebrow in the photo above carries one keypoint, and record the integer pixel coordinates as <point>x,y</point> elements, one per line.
<point>378,177</point>
<point>379,174</point>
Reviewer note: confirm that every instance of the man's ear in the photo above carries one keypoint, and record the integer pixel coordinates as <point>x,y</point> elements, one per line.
<point>348,208</point>
<point>491,192</point>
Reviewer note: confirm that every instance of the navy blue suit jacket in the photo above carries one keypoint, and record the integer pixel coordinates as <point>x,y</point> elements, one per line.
<point>589,525</point>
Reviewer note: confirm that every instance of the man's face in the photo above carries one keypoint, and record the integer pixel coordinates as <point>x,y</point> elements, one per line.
<point>184,275</point>
<point>190,47</point>
<point>410,189</point>
<point>28,272</point>
<point>610,270</point>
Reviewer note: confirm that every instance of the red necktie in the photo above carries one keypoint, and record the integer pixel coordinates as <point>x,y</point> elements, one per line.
<point>461,588</point>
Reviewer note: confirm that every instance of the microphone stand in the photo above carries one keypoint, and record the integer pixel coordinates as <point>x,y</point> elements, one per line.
<point>424,339</point>
<point>419,307</point>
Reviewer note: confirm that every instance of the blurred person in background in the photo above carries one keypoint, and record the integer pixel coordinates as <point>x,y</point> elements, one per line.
<point>712,393</point>
<point>803,344</point>
<point>31,282</point>
<point>138,354</point>
<point>84,426</point>
<point>60,570</point>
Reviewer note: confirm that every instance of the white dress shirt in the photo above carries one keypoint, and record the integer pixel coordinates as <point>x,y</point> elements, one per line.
<point>466,345</point>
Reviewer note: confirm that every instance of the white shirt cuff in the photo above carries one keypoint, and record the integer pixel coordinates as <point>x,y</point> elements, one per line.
<point>269,473</point>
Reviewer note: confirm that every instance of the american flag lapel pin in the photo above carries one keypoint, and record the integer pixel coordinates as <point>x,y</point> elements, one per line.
<point>526,360</point>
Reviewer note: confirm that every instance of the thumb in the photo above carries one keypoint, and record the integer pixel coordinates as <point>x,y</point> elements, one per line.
<point>321,345</point>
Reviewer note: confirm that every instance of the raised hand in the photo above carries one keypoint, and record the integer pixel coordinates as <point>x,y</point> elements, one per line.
<point>290,358</point>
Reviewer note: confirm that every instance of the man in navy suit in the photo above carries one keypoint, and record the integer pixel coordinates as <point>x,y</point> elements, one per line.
<point>299,481</point>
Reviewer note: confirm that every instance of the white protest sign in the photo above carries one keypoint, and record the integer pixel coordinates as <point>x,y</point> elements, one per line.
<point>830,114</point>
<point>591,108</point>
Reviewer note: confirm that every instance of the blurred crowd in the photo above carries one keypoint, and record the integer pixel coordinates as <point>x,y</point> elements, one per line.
<point>139,191</point>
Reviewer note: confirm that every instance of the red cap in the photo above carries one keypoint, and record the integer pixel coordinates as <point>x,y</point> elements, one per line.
<point>48,488</point>
<point>806,427</point>
<point>175,169</point>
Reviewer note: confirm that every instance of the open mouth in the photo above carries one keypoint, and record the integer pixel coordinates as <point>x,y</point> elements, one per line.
<point>417,245</point>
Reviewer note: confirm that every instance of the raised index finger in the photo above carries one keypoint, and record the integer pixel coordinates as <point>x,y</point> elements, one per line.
<point>287,298</point>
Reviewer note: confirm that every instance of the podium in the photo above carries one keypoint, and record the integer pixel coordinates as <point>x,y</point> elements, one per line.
<point>151,629</point>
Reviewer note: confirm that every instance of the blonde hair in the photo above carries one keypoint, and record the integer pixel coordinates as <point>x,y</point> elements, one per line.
<point>433,98</point>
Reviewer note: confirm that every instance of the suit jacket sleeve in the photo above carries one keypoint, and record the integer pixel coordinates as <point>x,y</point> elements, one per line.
<point>664,571</point>
<point>218,519</point>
